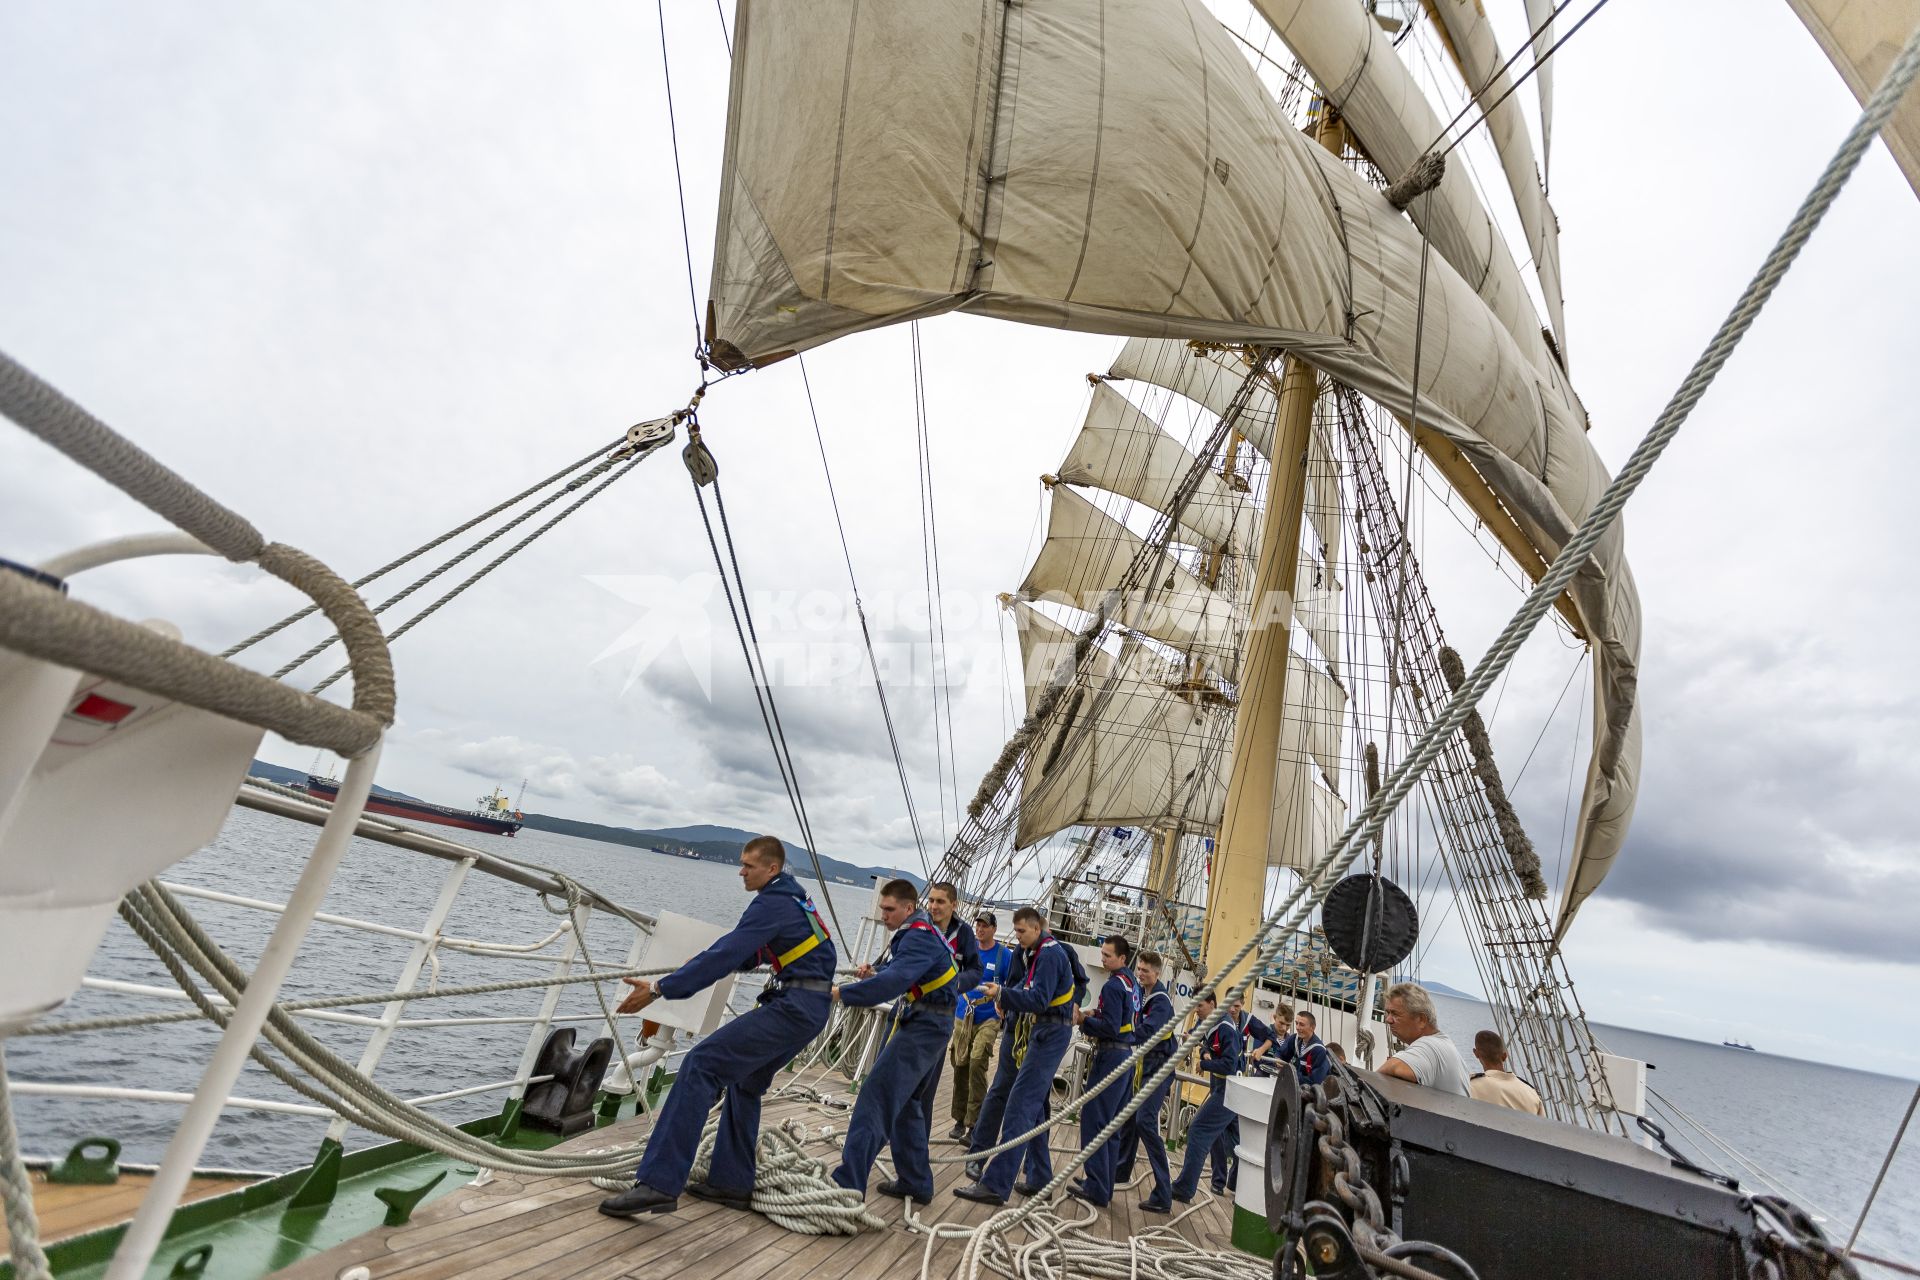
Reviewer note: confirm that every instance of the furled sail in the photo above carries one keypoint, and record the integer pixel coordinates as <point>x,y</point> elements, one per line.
<point>1471,39</point>
<point>1123,451</point>
<point>1118,167</point>
<point>1861,39</point>
<point>1540,25</point>
<point>1085,557</point>
<point>1354,61</point>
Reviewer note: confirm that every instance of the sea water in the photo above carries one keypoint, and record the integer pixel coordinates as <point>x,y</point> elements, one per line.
<point>1818,1128</point>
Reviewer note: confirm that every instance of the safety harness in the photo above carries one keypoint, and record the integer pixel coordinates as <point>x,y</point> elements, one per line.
<point>1023,1024</point>
<point>818,936</point>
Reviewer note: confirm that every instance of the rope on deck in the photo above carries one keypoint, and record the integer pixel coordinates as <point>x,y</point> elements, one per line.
<point>16,1189</point>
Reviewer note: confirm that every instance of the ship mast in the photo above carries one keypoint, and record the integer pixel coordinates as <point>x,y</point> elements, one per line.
<point>1237,883</point>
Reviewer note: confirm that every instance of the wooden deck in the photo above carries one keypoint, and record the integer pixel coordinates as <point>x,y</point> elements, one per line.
<point>550,1227</point>
<point>70,1210</point>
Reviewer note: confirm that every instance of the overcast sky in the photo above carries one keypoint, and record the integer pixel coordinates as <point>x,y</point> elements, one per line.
<point>361,271</point>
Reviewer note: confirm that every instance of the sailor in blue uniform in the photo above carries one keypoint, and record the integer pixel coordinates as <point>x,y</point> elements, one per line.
<point>942,897</point>
<point>1305,1051</point>
<point>1110,1026</point>
<point>1143,1126</point>
<point>779,928</point>
<point>1041,1000</point>
<point>1219,1058</point>
<point>919,971</point>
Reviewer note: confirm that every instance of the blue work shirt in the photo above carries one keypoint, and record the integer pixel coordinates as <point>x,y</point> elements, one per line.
<point>1310,1059</point>
<point>1117,1015</point>
<point>779,918</point>
<point>1220,1053</point>
<point>1156,1011</point>
<point>1042,976</point>
<point>995,963</point>
<point>916,955</point>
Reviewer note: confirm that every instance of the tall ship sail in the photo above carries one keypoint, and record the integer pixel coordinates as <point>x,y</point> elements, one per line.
<point>1248,739</point>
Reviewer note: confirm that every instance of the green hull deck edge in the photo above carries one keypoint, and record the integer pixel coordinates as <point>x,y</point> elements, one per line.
<point>257,1229</point>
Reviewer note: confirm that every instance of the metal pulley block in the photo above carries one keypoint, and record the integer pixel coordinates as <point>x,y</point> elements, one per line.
<point>643,437</point>
<point>700,462</point>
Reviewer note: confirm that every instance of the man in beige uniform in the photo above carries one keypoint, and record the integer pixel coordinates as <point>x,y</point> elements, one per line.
<point>1494,1083</point>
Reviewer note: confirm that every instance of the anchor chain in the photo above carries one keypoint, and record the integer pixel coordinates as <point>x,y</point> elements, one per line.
<point>1359,1243</point>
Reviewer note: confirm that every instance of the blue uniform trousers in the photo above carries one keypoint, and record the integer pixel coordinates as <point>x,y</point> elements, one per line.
<point>1025,1105</point>
<point>887,1110</point>
<point>739,1059</point>
<point>1225,1162</point>
<point>1209,1123</point>
<point>1096,1112</point>
<point>1143,1130</point>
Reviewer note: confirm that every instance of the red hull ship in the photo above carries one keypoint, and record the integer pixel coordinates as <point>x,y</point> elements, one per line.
<point>492,817</point>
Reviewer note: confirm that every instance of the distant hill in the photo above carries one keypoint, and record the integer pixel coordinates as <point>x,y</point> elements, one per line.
<point>1442,989</point>
<point>708,842</point>
<point>298,778</point>
<point>711,844</point>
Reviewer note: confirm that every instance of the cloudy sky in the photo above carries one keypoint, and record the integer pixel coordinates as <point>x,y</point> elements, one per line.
<point>362,271</point>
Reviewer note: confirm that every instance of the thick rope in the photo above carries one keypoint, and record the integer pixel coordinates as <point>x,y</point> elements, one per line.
<point>1368,823</point>
<point>16,1188</point>
<point>42,410</point>
<point>38,621</point>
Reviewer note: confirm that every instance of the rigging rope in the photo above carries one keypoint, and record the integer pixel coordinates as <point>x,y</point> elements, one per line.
<point>635,460</point>
<point>16,1189</point>
<point>749,638</point>
<point>866,635</point>
<point>425,547</point>
<point>679,182</point>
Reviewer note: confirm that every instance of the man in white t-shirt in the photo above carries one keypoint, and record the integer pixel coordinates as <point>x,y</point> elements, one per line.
<point>1429,1058</point>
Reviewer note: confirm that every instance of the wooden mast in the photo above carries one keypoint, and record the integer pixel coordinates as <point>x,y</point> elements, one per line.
<point>1237,880</point>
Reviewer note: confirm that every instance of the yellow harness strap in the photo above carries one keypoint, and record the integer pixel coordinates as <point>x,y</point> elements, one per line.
<point>915,992</point>
<point>1060,999</point>
<point>786,958</point>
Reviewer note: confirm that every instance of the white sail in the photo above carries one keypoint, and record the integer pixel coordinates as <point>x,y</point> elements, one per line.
<point>1085,557</point>
<point>1307,818</point>
<point>1212,379</point>
<point>1143,184</point>
<point>1471,39</point>
<point>1861,38</point>
<point>1354,61</point>
<point>1123,451</point>
<point>1046,649</point>
<point>1128,751</point>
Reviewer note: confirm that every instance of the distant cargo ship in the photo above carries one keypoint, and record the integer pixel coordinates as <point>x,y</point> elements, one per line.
<point>1737,1044</point>
<point>490,813</point>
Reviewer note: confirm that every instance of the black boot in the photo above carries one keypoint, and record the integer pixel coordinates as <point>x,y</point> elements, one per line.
<point>721,1195</point>
<point>638,1199</point>
<point>979,1194</point>
<point>898,1192</point>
